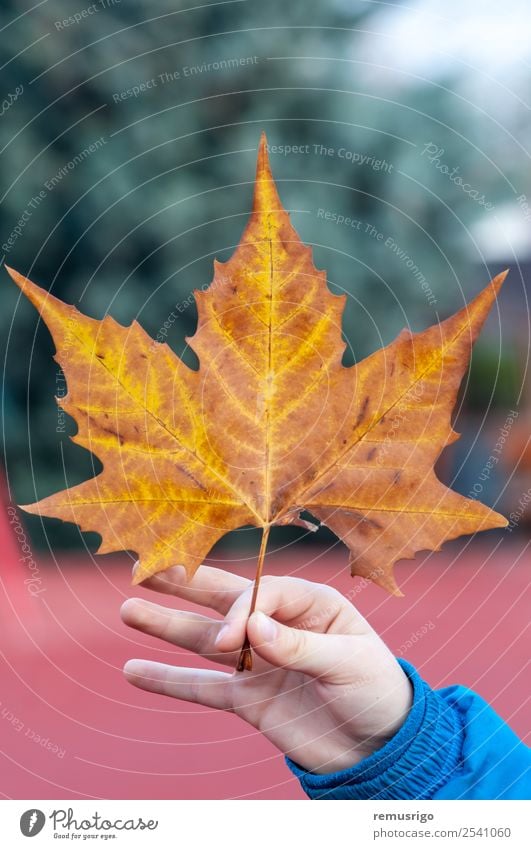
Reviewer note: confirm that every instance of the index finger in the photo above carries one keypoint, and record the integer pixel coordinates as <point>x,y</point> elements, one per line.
<point>209,587</point>
<point>297,603</point>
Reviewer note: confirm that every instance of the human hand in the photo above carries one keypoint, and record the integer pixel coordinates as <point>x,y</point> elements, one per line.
<point>324,688</point>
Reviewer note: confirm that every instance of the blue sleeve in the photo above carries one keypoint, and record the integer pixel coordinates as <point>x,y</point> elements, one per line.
<point>451,746</point>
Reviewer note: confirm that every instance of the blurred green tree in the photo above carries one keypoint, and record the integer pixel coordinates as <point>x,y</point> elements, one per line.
<point>136,131</point>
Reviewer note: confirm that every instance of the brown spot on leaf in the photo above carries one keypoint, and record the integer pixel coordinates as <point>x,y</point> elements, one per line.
<point>361,414</point>
<point>365,525</point>
<point>192,477</point>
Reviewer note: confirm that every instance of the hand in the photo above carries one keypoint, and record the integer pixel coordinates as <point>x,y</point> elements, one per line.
<point>324,688</point>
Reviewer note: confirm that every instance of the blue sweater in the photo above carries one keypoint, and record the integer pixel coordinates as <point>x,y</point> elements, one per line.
<point>451,746</point>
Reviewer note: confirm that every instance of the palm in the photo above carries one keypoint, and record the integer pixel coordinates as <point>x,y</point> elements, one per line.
<point>328,707</point>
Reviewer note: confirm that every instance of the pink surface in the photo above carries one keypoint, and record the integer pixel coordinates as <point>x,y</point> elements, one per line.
<point>70,725</point>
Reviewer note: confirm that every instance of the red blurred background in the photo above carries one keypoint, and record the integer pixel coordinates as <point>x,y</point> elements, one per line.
<point>71,726</point>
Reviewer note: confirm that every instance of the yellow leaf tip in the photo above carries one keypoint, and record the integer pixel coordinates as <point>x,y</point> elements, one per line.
<point>29,508</point>
<point>138,577</point>
<point>36,294</point>
<point>263,167</point>
<point>501,521</point>
<point>15,275</point>
<point>23,283</point>
<point>266,198</point>
<point>499,280</point>
<point>141,573</point>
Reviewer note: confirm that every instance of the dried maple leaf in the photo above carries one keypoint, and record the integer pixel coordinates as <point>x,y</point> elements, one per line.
<point>271,423</point>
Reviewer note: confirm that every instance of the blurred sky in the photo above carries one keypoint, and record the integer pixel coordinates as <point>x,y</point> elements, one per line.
<point>487,55</point>
<point>432,38</point>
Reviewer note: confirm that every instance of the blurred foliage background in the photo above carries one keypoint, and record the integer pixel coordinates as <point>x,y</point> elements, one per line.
<point>172,100</point>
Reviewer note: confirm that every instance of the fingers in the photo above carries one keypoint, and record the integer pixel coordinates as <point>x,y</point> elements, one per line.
<point>309,606</point>
<point>188,630</point>
<point>202,686</point>
<point>325,656</point>
<point>209,587</point>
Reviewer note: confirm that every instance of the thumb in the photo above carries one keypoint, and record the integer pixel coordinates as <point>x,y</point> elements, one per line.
<point>318,655</point>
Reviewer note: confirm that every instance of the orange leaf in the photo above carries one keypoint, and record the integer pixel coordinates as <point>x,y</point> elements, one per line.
<point>271,424</point>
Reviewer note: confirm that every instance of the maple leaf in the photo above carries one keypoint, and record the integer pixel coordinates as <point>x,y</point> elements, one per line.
<point>271,423</point>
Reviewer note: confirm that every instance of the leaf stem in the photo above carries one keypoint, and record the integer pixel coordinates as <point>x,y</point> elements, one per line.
<point>245,660</point>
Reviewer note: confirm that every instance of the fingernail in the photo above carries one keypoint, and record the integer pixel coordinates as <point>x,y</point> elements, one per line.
<point>178,573</point>
<point>133,667</point>
<point>222,633</point>
<point>267,627</point>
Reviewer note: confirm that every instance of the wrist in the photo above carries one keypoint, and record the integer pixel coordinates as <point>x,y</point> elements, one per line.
<point>414,764</point>
<point>377,717</point>
<point>386,710</point>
